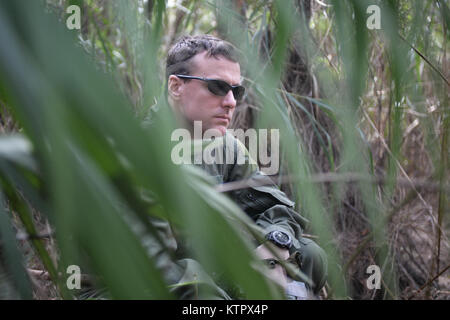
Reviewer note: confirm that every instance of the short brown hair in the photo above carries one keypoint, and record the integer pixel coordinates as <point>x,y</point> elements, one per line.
<point>188,46</point>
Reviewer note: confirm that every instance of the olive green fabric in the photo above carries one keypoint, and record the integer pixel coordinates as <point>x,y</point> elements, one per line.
<point>267,205</point>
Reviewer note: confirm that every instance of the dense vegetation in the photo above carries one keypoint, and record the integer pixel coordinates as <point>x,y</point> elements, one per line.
<point>363,116</point>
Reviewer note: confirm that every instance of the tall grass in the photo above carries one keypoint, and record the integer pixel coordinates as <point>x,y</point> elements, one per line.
<point>83,160</point>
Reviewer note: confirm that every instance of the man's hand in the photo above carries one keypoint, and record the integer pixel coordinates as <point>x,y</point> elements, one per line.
<point>275,270</point>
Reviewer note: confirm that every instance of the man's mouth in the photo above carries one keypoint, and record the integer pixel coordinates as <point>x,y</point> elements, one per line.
<point>225,117</point>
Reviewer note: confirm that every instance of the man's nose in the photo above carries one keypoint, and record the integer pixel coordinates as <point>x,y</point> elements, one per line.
<point>229,101</point>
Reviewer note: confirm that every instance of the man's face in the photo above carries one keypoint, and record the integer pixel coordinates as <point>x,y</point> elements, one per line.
<point>195,102</point>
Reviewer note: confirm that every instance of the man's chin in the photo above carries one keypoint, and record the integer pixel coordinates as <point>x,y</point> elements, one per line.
<point>216,131</point>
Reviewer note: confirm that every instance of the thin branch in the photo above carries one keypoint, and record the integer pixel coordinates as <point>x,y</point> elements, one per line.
<point>85,279</point>
<point>429,282</point>
<point>327,177</point>
<point>403,171</point>
<point>426,60</point>
<point>23,235</point>
<point>444,160</point>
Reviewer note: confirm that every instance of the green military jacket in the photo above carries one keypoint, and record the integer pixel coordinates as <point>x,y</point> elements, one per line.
<point>263,201</point>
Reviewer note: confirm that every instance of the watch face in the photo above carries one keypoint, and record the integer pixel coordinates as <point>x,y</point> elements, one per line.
<point>281,238</point>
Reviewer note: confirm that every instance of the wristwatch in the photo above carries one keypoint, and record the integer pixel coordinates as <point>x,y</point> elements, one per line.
<point>280,238</point>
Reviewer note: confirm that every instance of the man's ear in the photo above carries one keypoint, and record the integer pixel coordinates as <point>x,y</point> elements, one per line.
<point>174,85</point>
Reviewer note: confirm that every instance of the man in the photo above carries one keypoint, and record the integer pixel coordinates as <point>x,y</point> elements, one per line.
<point>204,86</point>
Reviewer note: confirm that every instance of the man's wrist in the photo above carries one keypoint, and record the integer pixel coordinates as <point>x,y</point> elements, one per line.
<point>280,239</point>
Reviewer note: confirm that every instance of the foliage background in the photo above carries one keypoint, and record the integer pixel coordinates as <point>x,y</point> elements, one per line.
<point>363,116</point>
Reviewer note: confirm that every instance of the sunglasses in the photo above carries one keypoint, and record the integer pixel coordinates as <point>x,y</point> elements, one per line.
<point>218,87</point>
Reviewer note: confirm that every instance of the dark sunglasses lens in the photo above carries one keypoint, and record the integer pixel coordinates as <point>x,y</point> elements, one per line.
<point>218,87</point>
<point>221,88</point>
<point>238,92</point>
